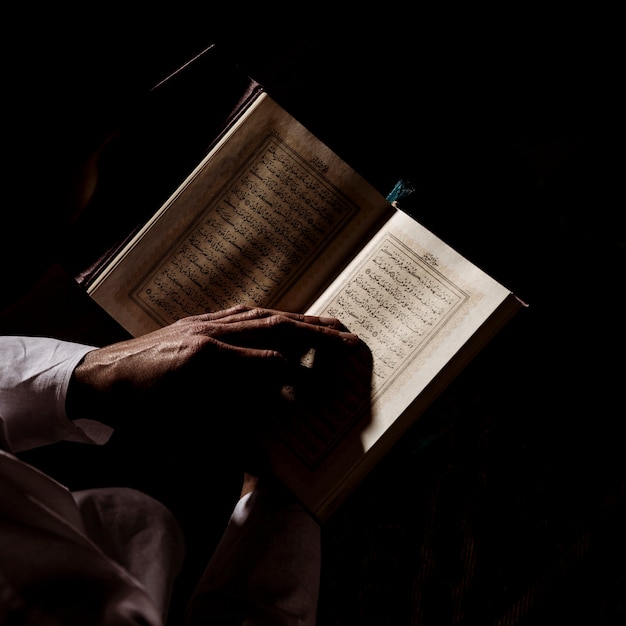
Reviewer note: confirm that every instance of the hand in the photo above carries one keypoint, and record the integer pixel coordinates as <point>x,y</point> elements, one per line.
<point>232,361</point>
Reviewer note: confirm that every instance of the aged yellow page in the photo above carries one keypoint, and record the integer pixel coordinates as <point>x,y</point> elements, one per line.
<point>266,219</point>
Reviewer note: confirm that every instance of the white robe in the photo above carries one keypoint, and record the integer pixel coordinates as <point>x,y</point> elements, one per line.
<point>110,556</point>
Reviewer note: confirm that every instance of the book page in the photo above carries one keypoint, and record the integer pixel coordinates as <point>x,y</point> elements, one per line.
<point>266,219</point>
<point>416,303</point>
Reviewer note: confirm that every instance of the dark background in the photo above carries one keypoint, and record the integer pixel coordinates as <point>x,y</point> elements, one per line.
<point>504,505</point>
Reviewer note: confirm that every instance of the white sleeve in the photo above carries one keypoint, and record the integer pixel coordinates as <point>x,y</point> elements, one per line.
<point>35,374</point>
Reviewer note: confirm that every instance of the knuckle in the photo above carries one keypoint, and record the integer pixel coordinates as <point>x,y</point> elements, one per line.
<point>277,320</point>
<point>240,308</point>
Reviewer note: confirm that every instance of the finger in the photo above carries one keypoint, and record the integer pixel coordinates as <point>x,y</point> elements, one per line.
<point>225,364</point>
<point>239,313</point>
<point>250,354</point>
<point>313,328</point>
<point>289,335</point>
<point>258,323</point>
<point>242,312</point>
<point>313,320</point>
<point>262,373</point>
<point>225,314</point>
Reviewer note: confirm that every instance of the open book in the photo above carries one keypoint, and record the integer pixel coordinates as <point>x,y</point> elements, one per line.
<point>272,217</point>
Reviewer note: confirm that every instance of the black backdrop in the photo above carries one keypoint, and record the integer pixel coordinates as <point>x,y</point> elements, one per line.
<point>505,504</point>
